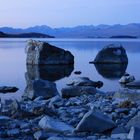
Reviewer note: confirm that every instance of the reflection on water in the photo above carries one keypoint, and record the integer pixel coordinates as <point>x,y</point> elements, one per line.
<point>49,72</point>
<point>111,71</point>
<point>39,79</point>
<point>12,71</point>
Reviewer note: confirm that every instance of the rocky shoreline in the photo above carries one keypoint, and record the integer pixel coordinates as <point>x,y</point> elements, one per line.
<point>81,111</point>
<point>87,116</point>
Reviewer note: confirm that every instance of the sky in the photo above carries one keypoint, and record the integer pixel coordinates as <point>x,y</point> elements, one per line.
<point>68,13</point>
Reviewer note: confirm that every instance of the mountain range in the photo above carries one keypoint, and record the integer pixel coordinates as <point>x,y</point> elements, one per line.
<point>100,31</point>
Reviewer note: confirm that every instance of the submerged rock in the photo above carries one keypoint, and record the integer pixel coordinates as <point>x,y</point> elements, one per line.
<point>54,125</point>
<point>42,53</point>
<point>96,122</point>
<point>6,89</point>
<point>111,54</point>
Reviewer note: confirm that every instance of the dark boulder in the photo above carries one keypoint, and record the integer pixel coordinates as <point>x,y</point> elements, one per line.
<point>42,53</point>
<point>115,54</point>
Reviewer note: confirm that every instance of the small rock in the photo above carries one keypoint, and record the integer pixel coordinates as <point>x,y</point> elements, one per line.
<point>54,125</point>
<point>85,81</point>
<point>127,79</point>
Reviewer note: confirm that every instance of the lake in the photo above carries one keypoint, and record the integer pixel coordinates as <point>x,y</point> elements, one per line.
<point>13,63</point>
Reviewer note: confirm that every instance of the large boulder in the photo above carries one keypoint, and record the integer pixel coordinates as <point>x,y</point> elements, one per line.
<point>96,122</point>
<point>113,53</point>
<point>42,53</point>
<point>37,88</point>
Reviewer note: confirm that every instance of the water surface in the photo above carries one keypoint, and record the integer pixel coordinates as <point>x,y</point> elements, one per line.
<point>13,63</point>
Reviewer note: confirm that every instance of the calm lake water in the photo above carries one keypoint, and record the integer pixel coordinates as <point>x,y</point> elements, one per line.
<point>13,63</point>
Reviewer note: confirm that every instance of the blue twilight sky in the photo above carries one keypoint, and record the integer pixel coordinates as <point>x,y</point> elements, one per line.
<point>58,13</point>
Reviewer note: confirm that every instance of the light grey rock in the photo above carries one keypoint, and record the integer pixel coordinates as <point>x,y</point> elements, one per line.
<point>127,79</point>
<point>40,53</point>
<point>85,81</point>
<point>134,84</point>
<point>112,53</point>
<point>54,125</point>
<point>134,134</point>
<point>95,121</point>
<point>37,88</point>
<point>72,91</point>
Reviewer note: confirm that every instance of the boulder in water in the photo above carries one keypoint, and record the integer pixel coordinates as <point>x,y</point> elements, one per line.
<point>111,54</point>
<point>42,53</point>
